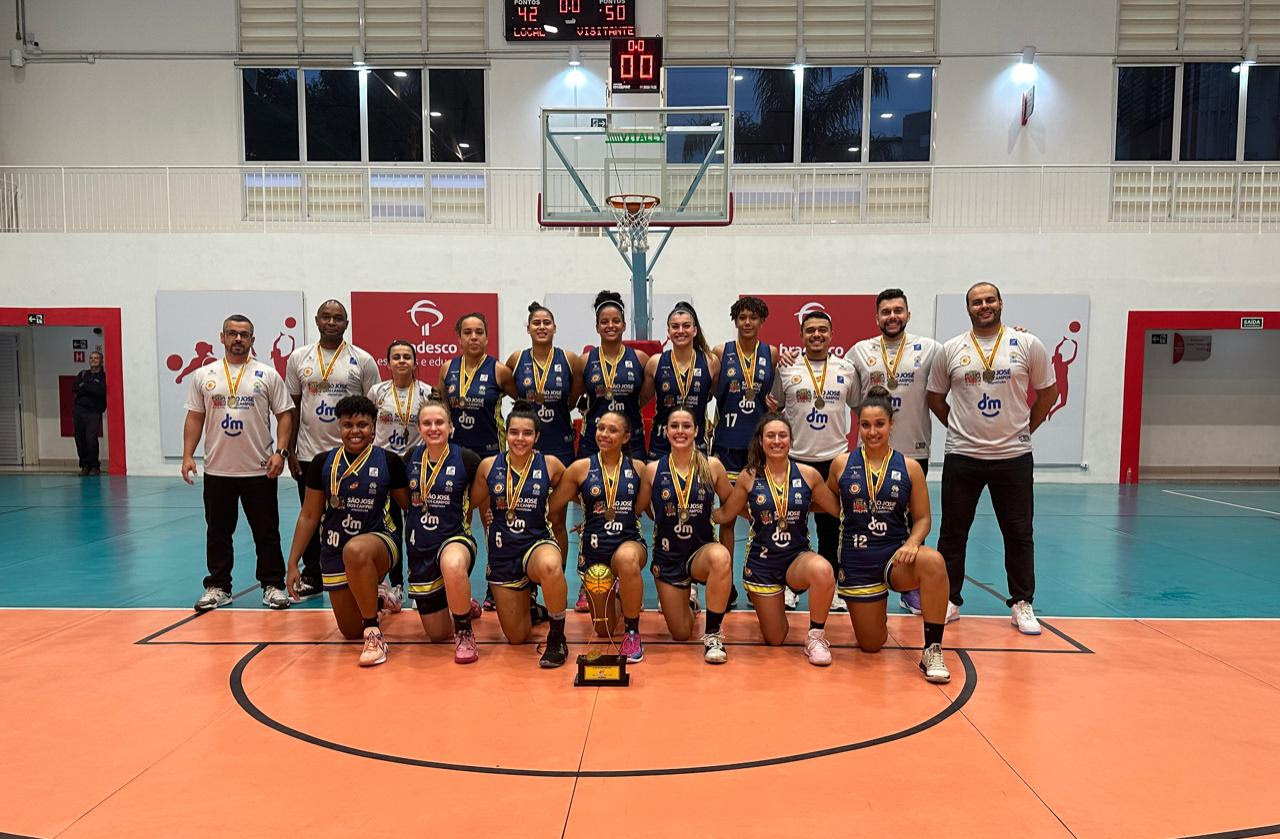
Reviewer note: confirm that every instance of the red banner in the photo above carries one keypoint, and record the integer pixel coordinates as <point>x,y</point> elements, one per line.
<point>853,318</point>
<point>424,318</point>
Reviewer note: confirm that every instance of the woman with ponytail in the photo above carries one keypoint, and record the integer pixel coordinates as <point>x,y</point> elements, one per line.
<point>682,377</point>
<point>612,377</point>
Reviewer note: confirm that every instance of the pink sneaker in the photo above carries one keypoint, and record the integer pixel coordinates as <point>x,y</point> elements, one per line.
<point>817,648</point>
<point>476,611</point>
<point>583,605</point>
<point>375,647</point>
<point>465,652</point>
<point>632,647</point>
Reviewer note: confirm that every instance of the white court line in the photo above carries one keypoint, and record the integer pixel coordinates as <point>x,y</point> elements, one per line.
<point>1257,491</point>
<point>1227,503</point>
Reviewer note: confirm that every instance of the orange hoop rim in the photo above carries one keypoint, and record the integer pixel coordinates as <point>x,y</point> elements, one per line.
<point>633,202</point>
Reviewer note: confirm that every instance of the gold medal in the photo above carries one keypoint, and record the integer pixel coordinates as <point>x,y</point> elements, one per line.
<point>465,379</point>
<point>891,382</point>
<point>340,459</point>
<point>779,492</point>
<point>819,385</point>
<point>819,403</point>
<point>427,482</point>
<point>608,370</point>
<point>610,485</point>
<point>874,485</point>
<point>748,370</point>
<point>684,378</point>
<point>988,375</point>
<point>540,381</point>
<point>891,370</point>
<point>233,386</point>
<point>404,413</point>
<point>513,494</point>
<point>683,490</point>
<point>326,371</point>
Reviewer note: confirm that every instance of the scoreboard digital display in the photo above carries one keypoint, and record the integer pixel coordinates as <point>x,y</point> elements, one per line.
<point>635,65</point>
<point>569,20</point>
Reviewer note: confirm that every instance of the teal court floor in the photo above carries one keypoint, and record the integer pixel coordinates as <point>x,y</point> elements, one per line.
<point>1148,551</point>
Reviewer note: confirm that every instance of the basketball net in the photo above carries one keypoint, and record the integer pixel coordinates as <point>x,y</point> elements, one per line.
<point>632,214</point>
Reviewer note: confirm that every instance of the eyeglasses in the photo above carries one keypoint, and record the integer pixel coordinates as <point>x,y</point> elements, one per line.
<point>233,334</point>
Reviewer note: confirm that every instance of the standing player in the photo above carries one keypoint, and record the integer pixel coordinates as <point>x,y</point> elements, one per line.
<point>398,400</point>
<point>900,362</point>
<point>884,520</point>
<point>613,377</point>
<point>778,494</point>
<point>746,377</point>
<point>815,393</point>
<point>442,550</point>
<point>685,486</point>
<point>681,377</point>
<point>474,383</point>
<point>347,493</point>
<point>977,389</point>
<point>231,402</point>
<point>613,493</point>
<point>317,376</point>
<point>519,482</point>
<point>543,375</point>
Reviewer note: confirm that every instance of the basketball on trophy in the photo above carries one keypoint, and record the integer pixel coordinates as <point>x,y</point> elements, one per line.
<point>598,579</point>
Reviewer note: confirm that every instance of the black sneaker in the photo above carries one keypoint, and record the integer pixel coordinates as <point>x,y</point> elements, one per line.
<point>308,590</point>
<point>488,600</point>
<point>538,613</point>
<point>556,652</point>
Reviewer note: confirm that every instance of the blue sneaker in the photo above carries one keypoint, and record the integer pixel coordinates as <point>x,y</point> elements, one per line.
<point>911,601</point>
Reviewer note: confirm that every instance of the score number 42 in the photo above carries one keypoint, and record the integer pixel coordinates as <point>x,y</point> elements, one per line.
<point>612,12</point>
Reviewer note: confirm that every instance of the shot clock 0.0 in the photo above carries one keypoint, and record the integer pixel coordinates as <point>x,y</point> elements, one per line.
<point>635,65</point>
<point>569,20</point>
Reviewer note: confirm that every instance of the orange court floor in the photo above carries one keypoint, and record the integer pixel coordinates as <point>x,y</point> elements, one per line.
<point>159,722</point>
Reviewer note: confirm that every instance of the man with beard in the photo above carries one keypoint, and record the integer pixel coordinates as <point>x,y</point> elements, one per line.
<point>317,376</point>
<point>231,401</point>
<point>987,372</point>
<point>900,362</point>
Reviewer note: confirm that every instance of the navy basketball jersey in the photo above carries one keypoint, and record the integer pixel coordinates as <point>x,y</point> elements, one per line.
<point>439,498</point>
<point>671,536</point>
<point>555,426</point>
<point>623,397</point>
<point>518,520</point>
<point>882,521</point>
<point>601,532</point>
<point>674,391</point>
<point>476,417</point>
<point>740,406</point>
<point>791,533</point>
<point>359,505</point>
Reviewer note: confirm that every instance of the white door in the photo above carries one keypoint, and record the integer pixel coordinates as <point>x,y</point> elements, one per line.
<point>10,403</point>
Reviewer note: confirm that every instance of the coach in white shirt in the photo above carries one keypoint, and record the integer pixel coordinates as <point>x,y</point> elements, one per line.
<point>978,389</point>
<point>815,392</point>
<point>317,376</point>
<point>231,402</point>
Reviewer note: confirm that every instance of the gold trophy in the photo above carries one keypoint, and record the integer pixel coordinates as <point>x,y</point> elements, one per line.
<point>599,667</point>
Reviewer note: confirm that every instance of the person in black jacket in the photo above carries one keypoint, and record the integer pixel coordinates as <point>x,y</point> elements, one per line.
<point>86,414</point>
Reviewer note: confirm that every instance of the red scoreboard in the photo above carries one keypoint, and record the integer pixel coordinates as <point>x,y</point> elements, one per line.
<point>569,20</point>
<point>635,65</point>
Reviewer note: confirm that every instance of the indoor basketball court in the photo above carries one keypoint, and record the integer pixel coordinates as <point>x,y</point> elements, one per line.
<point>357,176</point>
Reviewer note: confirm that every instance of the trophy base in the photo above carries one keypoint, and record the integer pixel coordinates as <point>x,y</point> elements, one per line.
<point>602,671</point>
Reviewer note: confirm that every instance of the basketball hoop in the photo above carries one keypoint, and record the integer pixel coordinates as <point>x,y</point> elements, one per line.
<point>632,213</point>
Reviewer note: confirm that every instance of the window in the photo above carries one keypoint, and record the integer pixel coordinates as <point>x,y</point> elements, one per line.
<point>764,104</point>
<point>1262,114</point>
<point>270,114</point>
<point>694,87</point>
<point>1144,113</point>
<point>1210,110</point>
<point>832,115</point>
<point>395,116</point>
<point>333,114</point>
<point>457,115</point>
<point>901,113</point>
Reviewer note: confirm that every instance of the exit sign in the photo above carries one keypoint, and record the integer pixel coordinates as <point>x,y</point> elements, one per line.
<point>1250,323</point>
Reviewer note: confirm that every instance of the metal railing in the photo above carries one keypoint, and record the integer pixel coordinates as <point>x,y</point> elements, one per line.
<point>784,200</point>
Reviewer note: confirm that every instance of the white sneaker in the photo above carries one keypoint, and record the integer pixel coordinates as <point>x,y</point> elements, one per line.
<point>790,600</point>
<point>275,598</point>
<point>375,647</point>
<point>212,598</point>
<point>713,651</point>
<point>817,648</point>
<point>392,598</point>
<point>953,612</point>
<point>1024,618</point>
<point>932,665</point>
<point>693,599</point>
<point>838,604</point>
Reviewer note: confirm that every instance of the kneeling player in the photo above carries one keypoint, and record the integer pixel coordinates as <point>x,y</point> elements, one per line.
<point>347,491</point>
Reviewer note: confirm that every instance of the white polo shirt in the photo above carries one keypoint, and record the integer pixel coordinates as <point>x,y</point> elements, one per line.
<point>352,373</point>
<point>398,409</point>
<point>237,429</point>
<point>912,428</point>
<point>991,420</point>
<point>817,434</point>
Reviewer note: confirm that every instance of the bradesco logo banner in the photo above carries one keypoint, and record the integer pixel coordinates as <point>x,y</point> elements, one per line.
<point>853,318</point>
<point>424,319</point>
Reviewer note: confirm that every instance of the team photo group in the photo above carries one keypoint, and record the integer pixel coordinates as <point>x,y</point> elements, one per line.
<point>397,469</point>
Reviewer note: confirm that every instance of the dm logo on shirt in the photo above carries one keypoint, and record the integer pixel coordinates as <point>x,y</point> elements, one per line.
<point>817,420</point>
<point>878,527</point>
<point>988,407</point>
<point>398,440</point>
<point>232,427</point>
<point>325,412</point>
